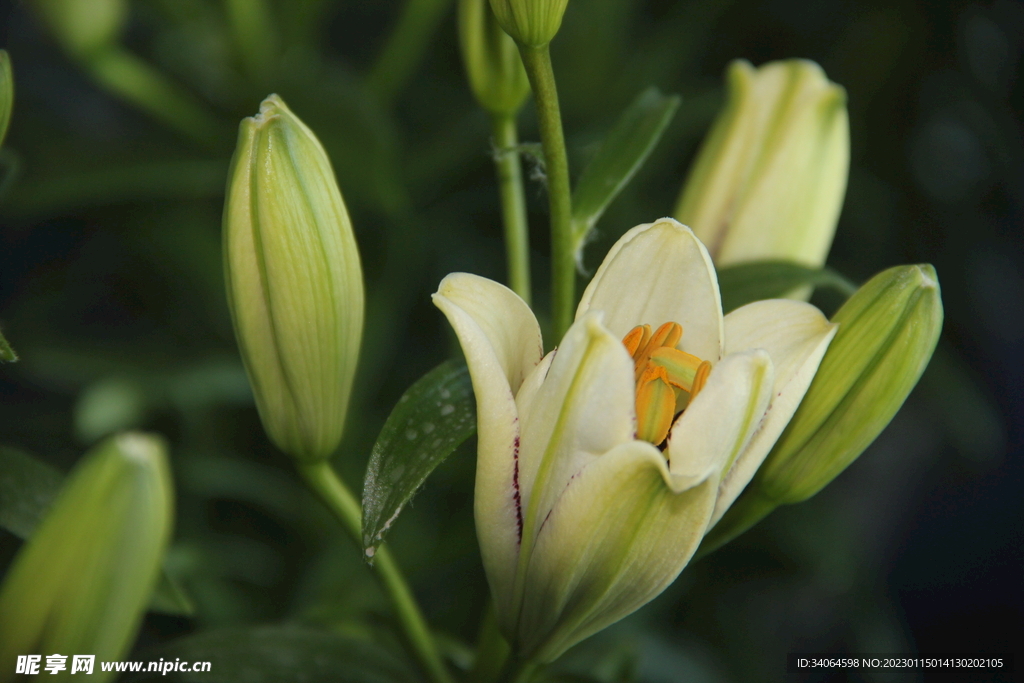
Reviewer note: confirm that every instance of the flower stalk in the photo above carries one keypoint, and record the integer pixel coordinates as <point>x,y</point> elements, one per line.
<point>513,203</point>
<point>537,61</point>
<point>332,490</point>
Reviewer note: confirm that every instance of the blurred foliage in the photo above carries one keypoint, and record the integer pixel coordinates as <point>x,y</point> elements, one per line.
<point>111,290</point>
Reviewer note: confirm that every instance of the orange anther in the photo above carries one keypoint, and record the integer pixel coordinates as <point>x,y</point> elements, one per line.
<point>700,379</point>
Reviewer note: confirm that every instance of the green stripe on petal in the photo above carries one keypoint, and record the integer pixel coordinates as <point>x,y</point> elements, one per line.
<point>718,423</point>
<point>619,534</point>
<point>796,336</point>
<point>584,408</point>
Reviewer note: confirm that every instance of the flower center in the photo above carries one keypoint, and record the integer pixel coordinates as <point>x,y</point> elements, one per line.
<point>667,379</point>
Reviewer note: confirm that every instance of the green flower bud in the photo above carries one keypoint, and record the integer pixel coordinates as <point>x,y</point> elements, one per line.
<point>6,93</point>
<point>887,333</point>
<point>532,23</point>
<point>83,26</point>
<point>769,181</point>
<point>295,286</point>
<point>493,67</point>
<point>81,583</point>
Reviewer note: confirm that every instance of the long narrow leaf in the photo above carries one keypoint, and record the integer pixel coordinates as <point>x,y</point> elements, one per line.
<point>621,155</point>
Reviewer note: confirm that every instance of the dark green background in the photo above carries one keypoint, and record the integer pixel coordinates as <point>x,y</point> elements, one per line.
<point>111,290</point>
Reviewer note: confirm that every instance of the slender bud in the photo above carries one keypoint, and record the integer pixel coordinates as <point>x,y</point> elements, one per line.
<point>6,93</point>
<point>83,26</point>
<point>493,66</point>
<point>532,23</point>
<point>295,286</point>
<point>81,583</point>
<point>887,333</point>
<point>770,178</point>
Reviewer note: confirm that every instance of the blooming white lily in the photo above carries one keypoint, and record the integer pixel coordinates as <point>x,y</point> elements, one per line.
<point>592,490</point>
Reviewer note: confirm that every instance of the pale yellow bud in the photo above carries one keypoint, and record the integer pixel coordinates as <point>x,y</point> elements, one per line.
<point>769,181</point>
<point>294,282</point>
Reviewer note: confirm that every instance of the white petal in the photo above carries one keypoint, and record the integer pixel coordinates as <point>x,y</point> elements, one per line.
<point>583,408</point>
<point>796,336</point>
<point>616,538</point>
<point>716,426</point>
<point>501,341</point>
<point>657,273</point>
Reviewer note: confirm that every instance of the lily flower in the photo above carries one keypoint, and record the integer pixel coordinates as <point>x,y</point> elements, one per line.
<point>602,464</point>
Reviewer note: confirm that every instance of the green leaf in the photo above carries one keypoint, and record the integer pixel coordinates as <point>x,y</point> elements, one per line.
<point>622,152</point>
<point>431,420</point>
<point>28,487</point>
<point>7,354</point>
<point>758,280</point>
<point>280,654</point>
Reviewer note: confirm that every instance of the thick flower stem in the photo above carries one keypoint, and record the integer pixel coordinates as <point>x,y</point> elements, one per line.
<point>492,650</point>
<point>323,479</point>
<point>513,203</point>
<point>563,267</point>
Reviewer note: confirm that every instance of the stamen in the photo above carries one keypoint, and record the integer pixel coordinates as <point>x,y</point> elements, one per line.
<point>700,379</point>
<point>668,334</point>
<point>636,338</point>
<point>680,366</point>
<point>655,405</point>
<point>665,378</point>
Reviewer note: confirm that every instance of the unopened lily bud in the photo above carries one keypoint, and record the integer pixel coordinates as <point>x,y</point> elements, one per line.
<point>82,582</point>
<point>887,333</point>
<point>493,66</point>
<point>83,26</point>
<point>6,93</point>
<point>532,23</point>
<point>770,178</point>
<point>295,286</point>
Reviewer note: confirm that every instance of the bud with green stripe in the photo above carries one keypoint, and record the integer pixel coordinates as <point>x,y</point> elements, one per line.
<point>294,282</point>
<point>81,583</point>
<point>887,332</point>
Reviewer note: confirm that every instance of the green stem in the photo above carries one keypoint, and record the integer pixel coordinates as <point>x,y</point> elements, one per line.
<point>323,479</point>
<point>253,30</point>
<point>563,268</point>
<point>137,82</point>
<point>513,203</point>
<point>492,650</point>
<point>750,509</point>
<point>404,48</point>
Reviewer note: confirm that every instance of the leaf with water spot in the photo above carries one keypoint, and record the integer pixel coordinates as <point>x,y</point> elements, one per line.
<point>433,417</point>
